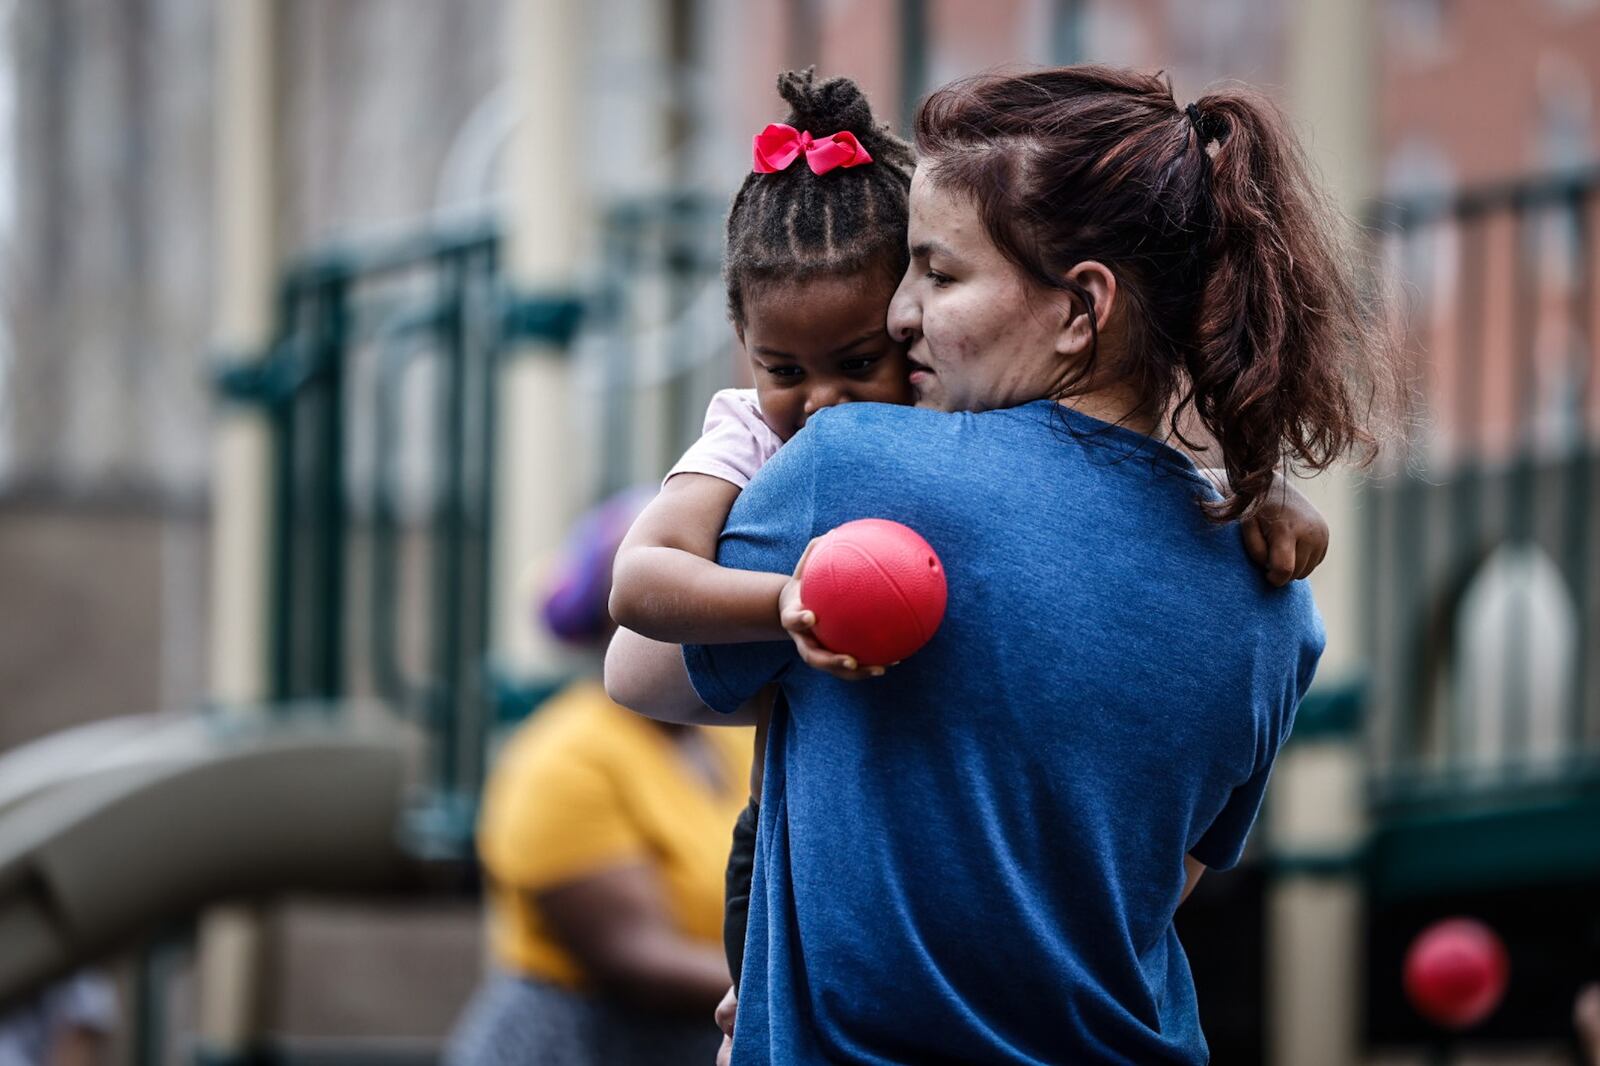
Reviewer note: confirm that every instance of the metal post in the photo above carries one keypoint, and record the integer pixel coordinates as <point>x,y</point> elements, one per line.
<point>233,961</point>
<point>328,591</point>
<point>449,535</point>
<point>1316,802</point>
<point>481,572</point>
<point>1066,31</point>
<point>804,44</point>
<point>533,496</point>
<point>1578,491</point>
<point>913,58</point>
<point>247,258</point>
<point>1522,493</point>
<point>1466,474</point>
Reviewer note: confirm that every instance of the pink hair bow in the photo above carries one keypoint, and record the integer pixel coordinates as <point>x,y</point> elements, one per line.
<point>778,145</point>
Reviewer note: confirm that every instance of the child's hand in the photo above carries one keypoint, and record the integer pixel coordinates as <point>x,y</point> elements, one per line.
<point>726,1010</point>
<point>1287,537</point>
<point>798,622</point>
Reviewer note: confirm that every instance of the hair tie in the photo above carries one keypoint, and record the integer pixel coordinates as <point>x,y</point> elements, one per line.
<point>778,145</point>
<point>1197,121</point>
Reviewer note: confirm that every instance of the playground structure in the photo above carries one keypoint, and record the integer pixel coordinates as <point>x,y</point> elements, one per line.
<point>365,763</point>
<point>1484,719</point>
<point>389,725</point>
<point>381,378</point>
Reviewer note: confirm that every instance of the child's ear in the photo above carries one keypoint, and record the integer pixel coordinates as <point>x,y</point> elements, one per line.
<point>1075,336</point>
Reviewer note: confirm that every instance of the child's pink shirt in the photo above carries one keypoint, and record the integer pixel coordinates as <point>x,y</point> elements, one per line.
<point>735,442</point>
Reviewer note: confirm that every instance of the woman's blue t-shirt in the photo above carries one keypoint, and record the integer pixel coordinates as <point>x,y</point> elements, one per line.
<point>977,858</point>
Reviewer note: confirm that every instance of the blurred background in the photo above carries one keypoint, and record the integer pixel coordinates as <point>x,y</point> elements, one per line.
<point>323,320</point>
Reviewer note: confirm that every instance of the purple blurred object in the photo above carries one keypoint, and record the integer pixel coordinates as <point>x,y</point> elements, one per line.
<point>574,609</point>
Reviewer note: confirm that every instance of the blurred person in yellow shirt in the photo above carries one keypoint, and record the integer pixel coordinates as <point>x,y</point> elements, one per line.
<point>603,837</point>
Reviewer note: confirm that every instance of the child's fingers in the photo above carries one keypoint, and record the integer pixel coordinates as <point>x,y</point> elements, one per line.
<point>1313,549</point>
<point>1309,556</point>
<point>844,667</point>
<point>1255,542</point>
<point>1303,551</point>
<point>1280,564</point>
<point>1319,552</point>
<point>796,619</point>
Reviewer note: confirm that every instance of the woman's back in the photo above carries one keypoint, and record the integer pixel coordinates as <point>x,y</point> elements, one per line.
<point>978,856</point>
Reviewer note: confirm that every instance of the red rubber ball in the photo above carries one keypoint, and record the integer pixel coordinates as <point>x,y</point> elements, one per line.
<point>877,589</point>
<point>1456,972</point>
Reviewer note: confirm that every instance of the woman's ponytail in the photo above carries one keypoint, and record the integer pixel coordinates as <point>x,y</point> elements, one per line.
<point>1281,327</point>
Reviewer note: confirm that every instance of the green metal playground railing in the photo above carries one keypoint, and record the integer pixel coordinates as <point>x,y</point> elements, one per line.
<point>354,324</point>
<point>663,332</point>
<point>380,388</point>
<point>1484,715</point>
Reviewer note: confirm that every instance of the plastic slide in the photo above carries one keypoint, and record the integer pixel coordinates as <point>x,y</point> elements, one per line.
<point>119,828</point>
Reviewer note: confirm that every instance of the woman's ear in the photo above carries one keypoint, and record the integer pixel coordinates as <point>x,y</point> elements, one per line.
<point>1075,336</point>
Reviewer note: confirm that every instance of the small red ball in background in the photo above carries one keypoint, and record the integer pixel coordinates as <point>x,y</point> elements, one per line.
<point>877,589</point>
<point>1456,972</point>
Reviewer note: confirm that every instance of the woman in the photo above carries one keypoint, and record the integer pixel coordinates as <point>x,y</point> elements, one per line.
<point>602,839</point>
<point>977,858</point>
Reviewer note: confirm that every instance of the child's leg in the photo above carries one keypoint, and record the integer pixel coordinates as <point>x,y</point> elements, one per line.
<point>1586,1020</point>
<point>742,858</point>
<point>736,905</point>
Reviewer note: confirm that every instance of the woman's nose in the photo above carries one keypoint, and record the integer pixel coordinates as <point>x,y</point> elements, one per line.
<point>905,316</point>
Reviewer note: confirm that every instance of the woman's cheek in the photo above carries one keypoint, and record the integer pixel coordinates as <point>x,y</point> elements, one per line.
<point>961,338</point>
<point>942,326</point>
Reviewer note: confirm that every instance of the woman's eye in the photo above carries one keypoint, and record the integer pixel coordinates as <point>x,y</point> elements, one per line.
<point>939,280</point>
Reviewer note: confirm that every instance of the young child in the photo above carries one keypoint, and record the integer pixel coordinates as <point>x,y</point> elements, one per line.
<point>816,245</point>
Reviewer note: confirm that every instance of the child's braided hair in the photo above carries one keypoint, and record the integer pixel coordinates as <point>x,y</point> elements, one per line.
<point>794,225</point>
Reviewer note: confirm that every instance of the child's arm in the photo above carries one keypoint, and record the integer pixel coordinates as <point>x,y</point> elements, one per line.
<point>1193,868</point>
<point>665,591</point>
<point>649,677</point>
<point>665,585</point>
<point>1287,536</point>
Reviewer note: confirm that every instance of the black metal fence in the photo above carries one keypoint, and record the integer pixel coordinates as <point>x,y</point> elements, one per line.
<point>1479,559</point>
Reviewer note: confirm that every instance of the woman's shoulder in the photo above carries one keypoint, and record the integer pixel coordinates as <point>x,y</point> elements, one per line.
<point>846,423</point>
<point>850,417</point>
<point>870,417</point>
<point>878,434</point>
<point>1297,608</point>
<point>1278,632</point>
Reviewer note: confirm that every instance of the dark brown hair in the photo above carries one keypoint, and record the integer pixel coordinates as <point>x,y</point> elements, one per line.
<point>795,225</point>
<point>1244,302</point>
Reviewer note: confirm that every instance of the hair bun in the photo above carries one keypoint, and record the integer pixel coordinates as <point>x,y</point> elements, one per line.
<point>833,105</point>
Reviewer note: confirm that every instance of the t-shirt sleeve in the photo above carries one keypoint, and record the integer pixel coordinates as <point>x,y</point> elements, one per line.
<point>1222,844</point>
<point>770,525</point>
<point>564,819</point>
<point>734,443</point>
